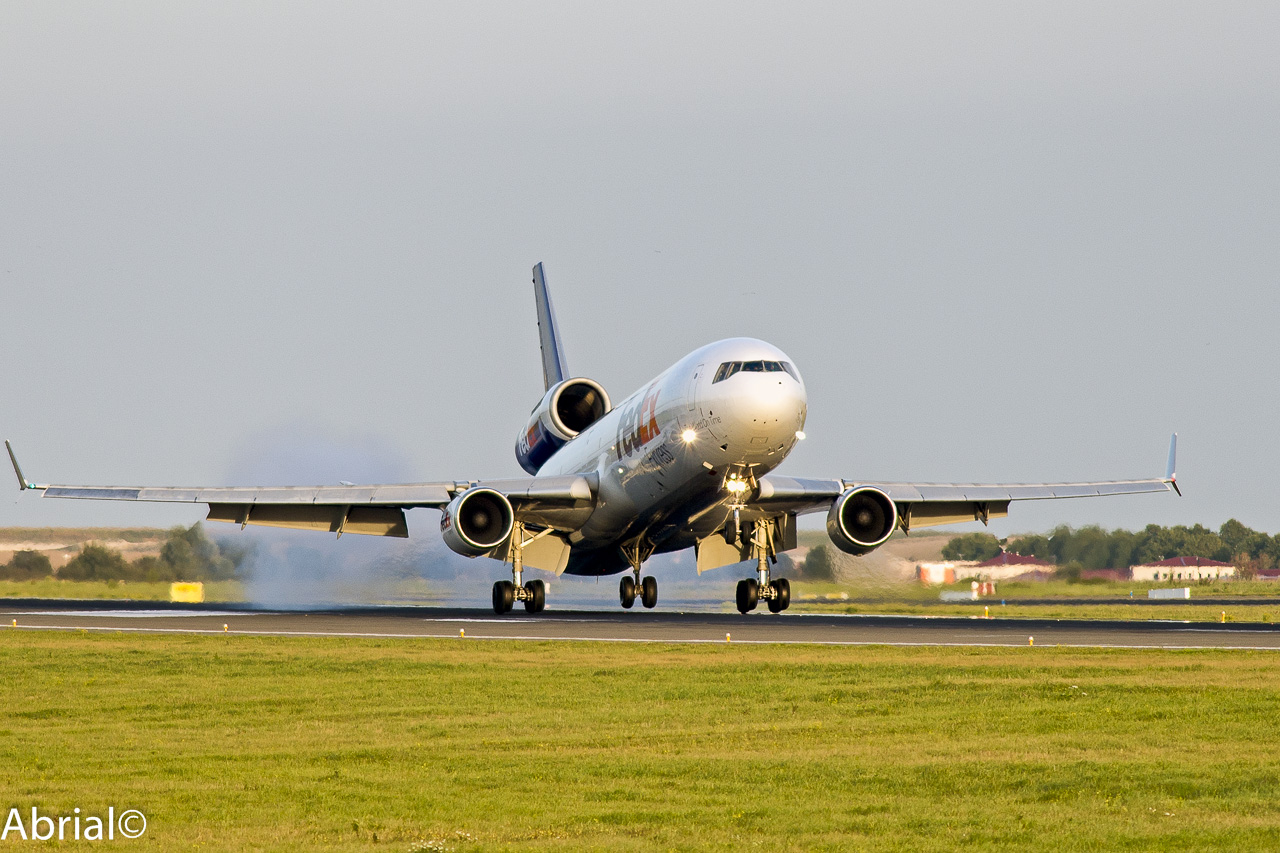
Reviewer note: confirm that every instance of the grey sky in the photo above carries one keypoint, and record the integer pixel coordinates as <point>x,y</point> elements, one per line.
<point>1003,242</point>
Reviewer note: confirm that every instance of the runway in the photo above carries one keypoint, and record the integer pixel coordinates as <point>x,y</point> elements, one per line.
<point>628,626</point>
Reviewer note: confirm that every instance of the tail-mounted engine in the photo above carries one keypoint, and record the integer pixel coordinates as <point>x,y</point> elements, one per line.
<point>477,521</point>
<point>565,410</point>
<point>861,520</point>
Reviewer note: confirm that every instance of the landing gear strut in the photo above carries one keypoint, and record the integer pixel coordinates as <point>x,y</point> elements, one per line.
<point>751,591</point>
<point>636,553</point>
<point>507,593</point>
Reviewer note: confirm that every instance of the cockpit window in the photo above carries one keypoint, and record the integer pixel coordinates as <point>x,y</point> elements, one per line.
<point>726,370</point>
<point>731,367</point>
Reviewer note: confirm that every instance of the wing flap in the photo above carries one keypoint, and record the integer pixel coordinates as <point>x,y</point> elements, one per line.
<point>366,520</point>
<point>933,514</point>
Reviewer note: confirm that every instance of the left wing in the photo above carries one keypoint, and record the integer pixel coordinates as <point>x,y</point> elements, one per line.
<point>376,510</point>
<point>932,504</point>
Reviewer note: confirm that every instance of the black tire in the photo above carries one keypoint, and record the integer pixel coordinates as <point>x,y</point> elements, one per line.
<point>748,595</point>
<point>649,592</point>
<point>784,592</point>
<point>627,591</point>
<point>775,603</point>
<point>537,596</point>
<point>504,595</point>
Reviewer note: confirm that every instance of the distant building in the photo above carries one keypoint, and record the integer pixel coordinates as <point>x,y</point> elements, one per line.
<point>948,571</point>
<point>1003,566</point>
<point>1184,569</point>
<point>1006,566</point>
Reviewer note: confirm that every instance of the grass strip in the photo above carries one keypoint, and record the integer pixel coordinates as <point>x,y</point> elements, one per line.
<point>234,743</point>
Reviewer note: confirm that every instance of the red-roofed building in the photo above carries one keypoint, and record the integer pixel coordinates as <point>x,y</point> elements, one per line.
<point>1003,566</point>
<point>1006,566</point>
<point>1184,569</point>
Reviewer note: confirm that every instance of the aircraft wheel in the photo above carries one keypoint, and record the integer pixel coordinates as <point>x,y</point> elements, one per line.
<point>649,592</point>
<point>627,591</point>
<point>784,593</point>
<point>537,596</point>
<point>748,595</point>
<point>775,603</point>
<point>504,596</point>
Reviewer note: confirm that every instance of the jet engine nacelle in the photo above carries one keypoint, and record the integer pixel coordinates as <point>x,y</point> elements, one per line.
<point>565,410</point>
<point>861,520</point>
<point>477,521</point>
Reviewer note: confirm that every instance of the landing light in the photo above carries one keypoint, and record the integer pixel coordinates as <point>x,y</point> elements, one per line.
<point>735,485</point>
<point>689,435</point>
<point>800,435</point>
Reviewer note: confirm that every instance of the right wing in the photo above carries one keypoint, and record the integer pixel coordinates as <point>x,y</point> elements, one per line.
<point>376,510</point>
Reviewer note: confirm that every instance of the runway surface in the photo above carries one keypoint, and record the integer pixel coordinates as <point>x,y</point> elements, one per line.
<point>629,626</point>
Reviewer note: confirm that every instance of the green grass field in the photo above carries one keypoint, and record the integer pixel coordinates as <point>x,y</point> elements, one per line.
<point>232,743</point>
<point>132,590</point>
<point>1188,611</point>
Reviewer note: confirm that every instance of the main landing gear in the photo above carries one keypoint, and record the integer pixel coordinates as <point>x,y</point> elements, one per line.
<point>507,593</point>
<point>648,591</point>
<point>751,591</point>
<point>647,588</point>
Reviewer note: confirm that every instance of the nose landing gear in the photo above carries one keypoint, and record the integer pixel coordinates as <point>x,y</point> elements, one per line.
<point>751,591</point>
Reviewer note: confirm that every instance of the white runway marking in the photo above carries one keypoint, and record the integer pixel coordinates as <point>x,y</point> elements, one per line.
<point>138,614</point>
<point>647,640</point>
<point>501,620</point>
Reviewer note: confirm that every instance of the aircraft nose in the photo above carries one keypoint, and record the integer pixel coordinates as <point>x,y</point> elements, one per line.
<point>767,411</point>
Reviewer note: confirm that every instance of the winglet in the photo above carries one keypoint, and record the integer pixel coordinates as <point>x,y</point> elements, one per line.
<point>23,483</point>
<point>1171,469</point>
<point>553,365</point>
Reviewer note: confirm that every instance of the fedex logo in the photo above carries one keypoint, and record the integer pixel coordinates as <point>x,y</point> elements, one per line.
<point>638,424</point>
<point>529,440</point>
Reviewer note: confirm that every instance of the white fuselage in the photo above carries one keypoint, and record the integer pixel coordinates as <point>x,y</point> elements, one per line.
<point>663,454</point>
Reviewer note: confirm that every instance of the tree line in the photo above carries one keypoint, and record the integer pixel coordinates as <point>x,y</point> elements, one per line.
<point>187,555</point>
<point>1095,548</point>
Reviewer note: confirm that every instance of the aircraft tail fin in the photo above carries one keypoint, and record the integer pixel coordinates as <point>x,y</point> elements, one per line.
<point>554,369</point>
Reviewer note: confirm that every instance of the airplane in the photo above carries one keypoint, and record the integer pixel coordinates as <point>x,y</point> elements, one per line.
<point>684,462</point>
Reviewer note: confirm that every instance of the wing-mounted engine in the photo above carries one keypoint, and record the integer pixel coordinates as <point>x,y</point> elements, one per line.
<point>565,410</point>
<point>861,520</point>
<point>477,521</point>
